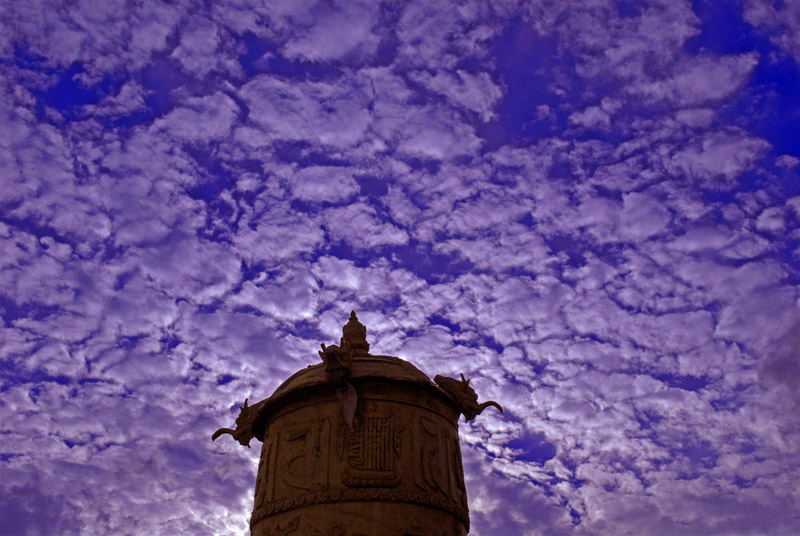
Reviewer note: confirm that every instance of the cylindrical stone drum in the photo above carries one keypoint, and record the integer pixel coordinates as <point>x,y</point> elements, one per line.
<point>396,472</point>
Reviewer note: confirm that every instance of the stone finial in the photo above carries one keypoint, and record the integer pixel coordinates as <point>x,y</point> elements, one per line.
<point>354,336</point>
<point>338,360</point>
<point>464,396</point>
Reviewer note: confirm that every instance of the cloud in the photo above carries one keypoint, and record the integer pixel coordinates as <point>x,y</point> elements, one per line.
<point>440,34</point>
<point>359,226</point>
<point>598,117</point>
<point>324,183</point>
<point>779,20</point>
<point>199,41</point>
<point>330,114</point>
<point>322,37</point>
<point>277,236</point>
<point>202,119</point>
<point>703,80</point>
<point>104,38</point>
<point>129,99</point>
<point>610,43</point>
<point>642,216</point>
<point>476,92</point>
<point>427,133</point>
<point>717,160</point>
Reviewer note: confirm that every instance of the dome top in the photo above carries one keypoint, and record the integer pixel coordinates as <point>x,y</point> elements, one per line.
<point>380,367</point>
<point>373,366</point>
<point>346,363</point>
<point>341,367</point>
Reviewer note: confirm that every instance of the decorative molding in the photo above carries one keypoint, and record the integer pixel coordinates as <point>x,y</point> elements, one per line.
<point>362,494</point>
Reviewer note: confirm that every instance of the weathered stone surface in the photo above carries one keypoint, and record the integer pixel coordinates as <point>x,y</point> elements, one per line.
<point>359,445</point>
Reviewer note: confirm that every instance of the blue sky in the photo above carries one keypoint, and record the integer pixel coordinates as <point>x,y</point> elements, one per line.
<point>592,209</point>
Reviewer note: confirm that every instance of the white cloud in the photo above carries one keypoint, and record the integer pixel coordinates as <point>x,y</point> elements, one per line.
<point>437,34</point>
<point>130,98</point>
<point>717,160</point>
<point>329,31</point>
<point>474,91</point>
<point>324,183</point>
<point>428,133</point>
<point>106,38</point>
<point>771,220</point>
<point>202,119</point>
<point>330,114</point>
<point>700,81</point>
<point>199,42</point>
<point>597,117</point>
<point>779,19</point>
<point>642,216</point>
<point>291,296</point>
<point>359,226</point>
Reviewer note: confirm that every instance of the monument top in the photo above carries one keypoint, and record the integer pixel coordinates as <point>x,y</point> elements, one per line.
<point>351,360</point>
<point>359,442</point>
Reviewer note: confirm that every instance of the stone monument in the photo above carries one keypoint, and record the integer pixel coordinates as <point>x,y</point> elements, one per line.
<point>359,445</point>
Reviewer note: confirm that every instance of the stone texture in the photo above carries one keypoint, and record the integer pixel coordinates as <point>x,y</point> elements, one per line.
<point>359,445</point>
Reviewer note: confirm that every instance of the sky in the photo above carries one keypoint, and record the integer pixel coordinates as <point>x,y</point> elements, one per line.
<point>589,208</point>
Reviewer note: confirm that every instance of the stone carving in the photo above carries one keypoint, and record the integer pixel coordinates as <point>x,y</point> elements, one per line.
<point>464,396</point>
<point>353,343</point>
<point>338,359</point>
<point>244,425</point>
<point>413,530</point>
<point>265,487</point>
<point>457,472</point>
<point>437,460</point>
<point>354,335</point>
<point>431,463</point>
<point>337,528</point>
<point>290,527</point>
<point>327,449</point>
<point>303,455</point>
<point>348,401</point>
<point>369,452</point>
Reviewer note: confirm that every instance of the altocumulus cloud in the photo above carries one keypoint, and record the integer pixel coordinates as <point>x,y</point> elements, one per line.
<point>591,209</point>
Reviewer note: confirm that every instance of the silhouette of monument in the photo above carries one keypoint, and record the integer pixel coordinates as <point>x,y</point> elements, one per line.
<point>359,445</point>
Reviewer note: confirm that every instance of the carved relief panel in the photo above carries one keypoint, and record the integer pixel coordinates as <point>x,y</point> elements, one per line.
<point>265,478</point>
<point>302,456</point>
<point>369,452</point>
<point>437,458</point>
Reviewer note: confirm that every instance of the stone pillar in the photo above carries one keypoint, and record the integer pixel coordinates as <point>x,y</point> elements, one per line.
<point>372,451</point>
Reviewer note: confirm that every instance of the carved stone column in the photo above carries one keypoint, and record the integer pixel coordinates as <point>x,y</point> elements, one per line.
<point>371,450</point>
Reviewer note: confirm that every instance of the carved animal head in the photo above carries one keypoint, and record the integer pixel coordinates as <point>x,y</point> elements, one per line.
<point>337,361</point>
<point>464,396</point>
<point>244,426</point>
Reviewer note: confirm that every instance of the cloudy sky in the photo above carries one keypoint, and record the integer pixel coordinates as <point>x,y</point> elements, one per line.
<point>590,208</point>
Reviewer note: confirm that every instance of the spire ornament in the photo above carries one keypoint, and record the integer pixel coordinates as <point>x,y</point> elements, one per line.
<point>338,360</point>
<point>354,335</point>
